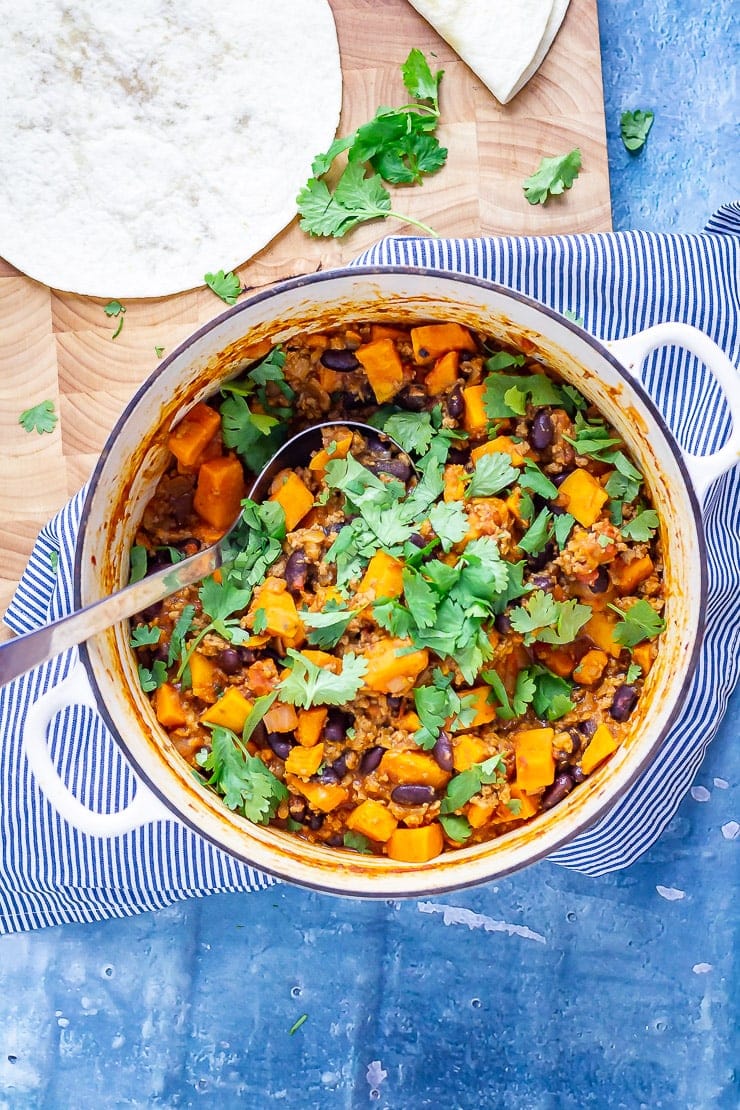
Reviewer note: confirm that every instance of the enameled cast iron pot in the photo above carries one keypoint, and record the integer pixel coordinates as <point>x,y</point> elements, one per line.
<point>135,456</point>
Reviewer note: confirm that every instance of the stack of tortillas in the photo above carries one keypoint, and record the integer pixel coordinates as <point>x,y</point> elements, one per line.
<point>143,144</point>
<point>503,41</point>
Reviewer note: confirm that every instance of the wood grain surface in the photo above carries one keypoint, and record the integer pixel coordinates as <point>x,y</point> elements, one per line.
<point>59,346</point>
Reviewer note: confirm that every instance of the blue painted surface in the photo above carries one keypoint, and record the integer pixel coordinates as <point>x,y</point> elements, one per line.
<point>544,990</point>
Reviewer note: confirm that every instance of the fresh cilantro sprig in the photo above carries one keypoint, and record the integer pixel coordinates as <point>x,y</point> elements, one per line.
<point>151,679</point>
<point>634,127</point>
<point>328,626</point>
<point>639,622</point>
<point>256,435</point>
<point>492,473</point>
<point>552,177</point>
<point>642,527</point>
<point>226,286</point>
<point>115,308</point>
<point>243,780</point>
<point>145,635</point>
<point>39,418</point>
<point>501,389</point>
<point>397,145</point>
<point>307,684</point>
<point>438,704</point>
<point>542,618</point>
<point>465,785</point>
<point>138,563</point>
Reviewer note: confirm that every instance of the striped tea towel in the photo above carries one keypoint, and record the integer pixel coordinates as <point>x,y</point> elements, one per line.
<point>619,283</point>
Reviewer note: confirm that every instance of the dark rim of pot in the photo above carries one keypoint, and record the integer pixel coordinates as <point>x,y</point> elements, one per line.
<point>464,279</point>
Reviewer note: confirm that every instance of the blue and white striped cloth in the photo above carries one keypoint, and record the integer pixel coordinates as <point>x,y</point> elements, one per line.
<point>619,284</point>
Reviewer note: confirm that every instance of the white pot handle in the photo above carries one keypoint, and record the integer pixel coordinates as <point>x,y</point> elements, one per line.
<point>632,352</point>
<point>75,690</point>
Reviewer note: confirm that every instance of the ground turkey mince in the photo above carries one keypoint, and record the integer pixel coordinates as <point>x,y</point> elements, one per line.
<point>430,632</point>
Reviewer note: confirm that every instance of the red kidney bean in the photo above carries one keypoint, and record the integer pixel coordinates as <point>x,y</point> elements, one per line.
<point>562,785</point>
<point>623,702</point>
<point>503,624</point>
<point>259,736</point>
<point>370,759</point>
<point>329,775</point>
<point>336,725</point>
<point>454,402</point>
<point>280,744</point>
<point>588,727</point>
<point>601,583</point>
<point>229,660</point>
<point>540,431</point>
<point>542,558</point>
<point>296,572</point>
<point>394,704</point>
<point>558,479</point>
<point>442,752</point>
<point>412,794</point>
<point>246,655</point>
<point>578,775</point>
<point>314,820</point>
<point>339,766</point>
<point>413,397</point>
<point>397,468</point>
<point>341,359</point>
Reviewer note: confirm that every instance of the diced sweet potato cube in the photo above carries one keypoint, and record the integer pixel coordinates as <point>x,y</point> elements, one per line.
<point>323,659</point>
<point>412,767</point>
<point>527,806</point>
<point>409,721</point>
<point>600,629</point>
<point>391,672</point>
<point>444,373</point>
<point>485,710</point>
<point>468,750</point>
<point>231,710</point>
<point>475,418</point>
<point>168,706</point>
<point>342,445</point>
<point>455,479</point>
<point>432,340</point>
<point>644,655</point>
<point>628,576</point>
<point>383,367</point>
<point>189,439</point>
<point>293,494</point>
<point>416,845</point>
<point>591,667</point>
<point>321,796</point>
<point>280,613</point>
<point>583,496</point>
<point>373,820</point>
<point>479,811</point>
<point>501,445</point>
<point>383,577</point>
<point>304,762</point>
<point>535,763</point>
<point>560,659</point>
<point>203,674</point>
<point>602,744</point>
<point>310,725</point>
<point>220,491</point>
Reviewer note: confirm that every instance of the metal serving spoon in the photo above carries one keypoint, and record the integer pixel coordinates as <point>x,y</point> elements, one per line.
<point>24,652</point>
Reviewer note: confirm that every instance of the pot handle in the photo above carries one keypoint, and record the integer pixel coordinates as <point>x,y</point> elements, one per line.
<point>75,690</point>
<point>632,352</point>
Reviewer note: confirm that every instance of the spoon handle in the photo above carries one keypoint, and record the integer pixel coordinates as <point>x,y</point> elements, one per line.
<point>24,652</point>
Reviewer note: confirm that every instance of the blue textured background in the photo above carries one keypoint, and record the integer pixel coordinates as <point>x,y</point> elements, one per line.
<point>545,990</point>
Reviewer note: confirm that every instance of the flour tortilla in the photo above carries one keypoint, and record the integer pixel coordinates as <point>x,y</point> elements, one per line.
<point>143,144</point>
<point>501,40</point>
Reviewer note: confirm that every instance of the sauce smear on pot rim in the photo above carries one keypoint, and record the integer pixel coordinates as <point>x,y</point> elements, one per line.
<point>406,651</point>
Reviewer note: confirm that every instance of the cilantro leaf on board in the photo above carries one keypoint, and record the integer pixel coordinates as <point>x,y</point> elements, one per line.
<point>552,177</point>
<point>642,527</point>
<point>492,473</point>
<point>144,636</point>
<point>39,418</point>
<point>243,780</point>
<point>419,80</point>
<point>639,622</point>
<point>306,684</point>
<point>226,286</point>
<point>634,127</point>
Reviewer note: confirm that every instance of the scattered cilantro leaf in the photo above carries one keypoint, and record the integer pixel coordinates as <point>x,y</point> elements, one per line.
<point>328,626</point>
<point>456,826</point>
<point>640,622</point>
<point>418,78</point>
<point>551,699</point>
<point>183,625</point>
<point>144,636</point>
<point>539,611</point>
<point>421,599</point>
<point>524,691</point>
<point>256,713</point>
<point>563,527</point>
<point>297,1024</point>
<point>39,418</point>
<point>535,480</point>
<point>642,527</point>
<point>412,431</point>
<point>552,177</point>
<point>151,680</point>
<point>535,538</point>
<point>259,621</point>
<point>159,351</point>
<point>570,315</point>
<point>514,806</point>
<point>115,308</point>
<point>633,673</point>
<point>503,359</point>
<point>450,522</point>
<point>306,684</point>
<point>465,785</point>
<point>634,127</point>
<point>54,560</point>
<point>226,286</point>
<point>138,564</point>
<point>492,473</point>
<point>571,618</point>
<point>243,780</point>
<point>538,388</point>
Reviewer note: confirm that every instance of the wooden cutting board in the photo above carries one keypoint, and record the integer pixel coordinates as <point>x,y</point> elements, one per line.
<point>59,346</point>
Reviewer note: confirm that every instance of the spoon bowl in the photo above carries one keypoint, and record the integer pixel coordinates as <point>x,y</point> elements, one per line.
<point>25,652</point>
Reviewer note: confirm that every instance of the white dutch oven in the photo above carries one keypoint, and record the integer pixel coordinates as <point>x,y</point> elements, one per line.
<point>135,456</point>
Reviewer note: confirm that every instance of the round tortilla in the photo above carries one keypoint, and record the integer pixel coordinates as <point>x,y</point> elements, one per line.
<point>147,143</point>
